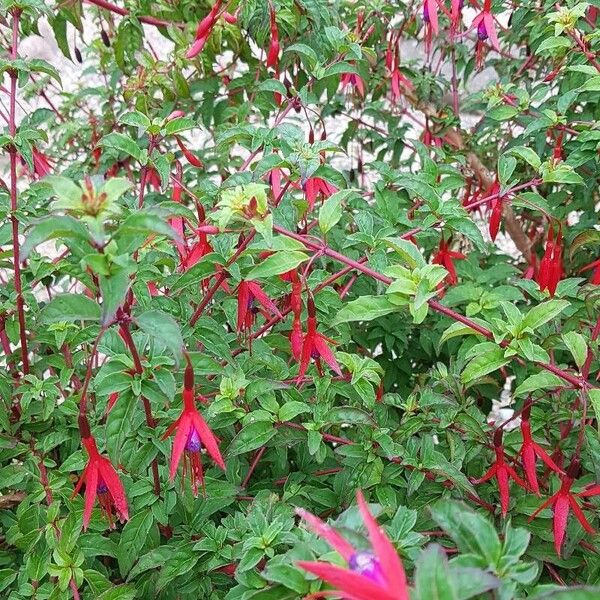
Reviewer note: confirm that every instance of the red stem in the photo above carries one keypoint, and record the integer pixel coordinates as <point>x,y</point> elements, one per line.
<point>577,382</point>
<point>12,130</point>
<point>123,12</point>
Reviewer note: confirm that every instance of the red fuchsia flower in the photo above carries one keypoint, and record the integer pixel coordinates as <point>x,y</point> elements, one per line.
<point>430,18</point>
<point>153,179</point>
<point>354,80</point>
<point>564,501</point>
<point>274,179</point>
<point>204,30</point>
<point>41,164</point>
<point>530,450</point>
<point>273,54</point>
<point>296,338</point>
<point>484,22</point>
<point>496,205</point>
<point>595,279</point>
<point>315,186</point>
<point>398,80</point>
<point>371,574</point>
<point>189,155</point>
<point>550,272</point>
<point>456,7</point>
<point>315,346</point>
<point>503,473</point>
<point>248,293</point>
<point>445,257</point>
<point>191,433</point>
<point>102,482</point>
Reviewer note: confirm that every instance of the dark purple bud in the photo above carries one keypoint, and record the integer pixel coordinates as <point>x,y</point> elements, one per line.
<point>367,565</point>
<point>101,487</point>
<point>105,39</point>
<point>482,33</point>
<point>78,55</point>
<point>193,443</point>
<point>314,354</point>
<point>426,13</point>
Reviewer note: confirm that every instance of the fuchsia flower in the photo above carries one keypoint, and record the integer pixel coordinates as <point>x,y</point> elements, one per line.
<point>496,214</point>
<point>204,30</point>
<point>456,7</point>
<point>484,22</point>
<point>377,574</point>
<point>250,292</point>
<point>191,433</point>
<point>550,271</point>
<point>530,450</point>
<point>354,80</point>
<point>399,81</point>
<point>189,155</point>
<point>102,482</point>
<point>315,346</point>
<point>41,164</point>
<point>563,501</point>
<point>273,54</point>
<point>430,18</point>
<point>503,473</point>
<point>445,257</point>
<point>315,186</point>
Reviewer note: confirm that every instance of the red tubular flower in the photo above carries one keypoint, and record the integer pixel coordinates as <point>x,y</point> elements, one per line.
<point>204,30</point>
<point>249,292</point>
<point>296,338</point>
<point>430,17</point>
<point>445,257</point>
<point>595,279</point>
<point>503,473</point>
<point>153,179</point>
<point>530,450</point>
<point>315,346</point>
<point>484,22</point>
<point>273,54</point>
<point>455,15</point>
<point>189,155</point>
<point>315,186</point>
<point>564,501</point>
<point>354,80</point>
<point>550,272</point>
<point>191,433</point>
<point>41,164</point>
<point>496,214</point>
<point>102,482</point>
<point>375,574</point>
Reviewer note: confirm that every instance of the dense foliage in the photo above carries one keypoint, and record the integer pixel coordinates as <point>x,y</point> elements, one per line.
<point>255,258</point>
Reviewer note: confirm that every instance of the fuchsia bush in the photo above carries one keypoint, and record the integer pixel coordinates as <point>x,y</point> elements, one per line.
<point>262,258</point>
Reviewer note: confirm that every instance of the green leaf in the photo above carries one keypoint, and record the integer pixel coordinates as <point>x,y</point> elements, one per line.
<point>178,125</point>
<point>591,85</point>
<point>365,308</point>
<point>163,329</point>
<point>331,210</point>
<point>133,539</point>
<point>572,593</point>
<point>594,396</point>
<point>276,264</point>
<point>506,167</point>
<point>70,307</point>
<point>432,578</point>
<point>542,313</point>
<point>51,228</point>
<point>251,437</point>
<point>538,381</point>
<point>577,345</point>
<point>527,154</point>
<point>472,533</point>
<point>136,119</point>
<point>458,329</point>
<point>182,560</point>
<point>485,363</point>
<point>305,51</point>
<point>122,143</point>
<point>119,592</point>
<point>113,290</point>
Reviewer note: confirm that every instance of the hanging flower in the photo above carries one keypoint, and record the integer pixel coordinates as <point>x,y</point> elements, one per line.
<point>430,18</point>
<point>503,473</point>
<point>484,23</point>
<point>189,155</point>
<point>455,15</point>
<point>550,271</point>
<point>530,450</point>
<point>496,204</point>
<point>102,482</point>
<point>564,501</point>
<point>354,80</point>
<point>371,574</point>
<point>273,54</point>
<point>250,292</point>
<point>315,186</point>
<point>315,346</point>
<point>445,257</point>
<point>191,433</point>
<point>204,30</point>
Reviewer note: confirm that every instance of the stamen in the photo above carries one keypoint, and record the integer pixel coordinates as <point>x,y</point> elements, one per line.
<point>194,443</point>
<point>367,565</point>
